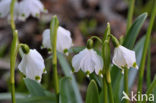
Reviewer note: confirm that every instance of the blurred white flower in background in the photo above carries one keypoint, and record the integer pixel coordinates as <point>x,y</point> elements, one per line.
<point>30,8</point>
<point>22,9</point>
<point>64,40</point>
<point>124,57</point>
<point>88,61</point>
<point>5,8</point>
<point>32,65</point>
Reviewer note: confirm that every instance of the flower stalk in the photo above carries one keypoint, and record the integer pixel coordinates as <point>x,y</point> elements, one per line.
<point>126,82</point>
<point>14,50</point>
<point>53,36</point>
<point>105,89</point>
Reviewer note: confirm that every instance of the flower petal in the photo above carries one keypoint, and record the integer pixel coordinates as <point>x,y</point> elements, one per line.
<point>46,38</point>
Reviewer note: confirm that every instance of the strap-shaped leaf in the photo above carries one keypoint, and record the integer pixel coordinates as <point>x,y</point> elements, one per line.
<point>34,87</point>
<point>92,93</point>
<point>67,94</point>
<point>134,31</point>
<point>37,99</point>
<point>67,71</point>
<point>23,98</point>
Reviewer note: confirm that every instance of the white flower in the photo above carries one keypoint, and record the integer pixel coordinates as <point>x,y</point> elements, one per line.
<point>5,8</point>
<point>124,57</point>
<point>64,40</point>
<point>88,61</point>
<point>32,65</point>
<point>30,7</point>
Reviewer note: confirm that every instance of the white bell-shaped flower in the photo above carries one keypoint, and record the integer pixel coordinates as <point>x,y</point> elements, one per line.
<point>124,57</point>
<point>88,61</point>
<point>32,65</point>
<point>5,9</point>
<point>30,8</point>
<point>64,40</point>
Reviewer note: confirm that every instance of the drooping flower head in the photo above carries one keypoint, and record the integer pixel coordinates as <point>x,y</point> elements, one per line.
<point>64,40</point>
<point>88,61</point>
<point>124,57</point>
<point>30,8</point>
<point>32,65</point>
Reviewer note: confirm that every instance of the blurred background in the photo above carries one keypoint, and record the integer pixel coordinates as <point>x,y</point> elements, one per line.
<point>84,18</point>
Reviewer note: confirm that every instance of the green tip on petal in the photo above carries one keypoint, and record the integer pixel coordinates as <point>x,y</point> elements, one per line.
<point>100,74</point>
<point>65,52</point>
<point>122,71</point>
<point>49,50</point>
<point>37,15</point>
<point>44,70</point>
<point>87,74</point>
<point>37,78</point>
<point>23,15</point>
<point>135,65</point>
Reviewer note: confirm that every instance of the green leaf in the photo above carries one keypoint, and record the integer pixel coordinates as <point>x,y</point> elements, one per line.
<point>34,87</point>
<point>37,99</point>
<point>7,96</point>
<point>154,92</point>
<point>23,98</point>
<point>151,88</point>
<point>92,93</point>
<point>67,71</point>
<point>148,73</point>
<point>75,49</point>
<point>133,72</point>
<point>67,94</point>
<point>134,31</point>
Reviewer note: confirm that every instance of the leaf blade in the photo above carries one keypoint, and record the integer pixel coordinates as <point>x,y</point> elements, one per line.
<point>92,93</point>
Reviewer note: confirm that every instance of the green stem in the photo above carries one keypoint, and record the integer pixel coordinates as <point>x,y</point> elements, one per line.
<point>146,44</point>
<point>148,76</point>
<point>126,82</point>
<point>53,36</point>
<point>14,49</point>
<point>110,93</point>
<point>109,86</point>
<point>130,14</point>
<point>13,56</point>
<point>105,89</point>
